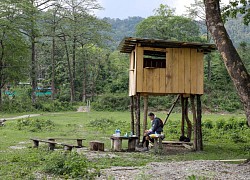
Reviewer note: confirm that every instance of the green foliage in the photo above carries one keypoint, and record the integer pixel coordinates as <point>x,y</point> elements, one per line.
<point>220,123</point>
<point>112,102</point>
<point>165,25</point>
<point>70,165</point>
<point>108,125</point>
<point>237,7</point>
<point>208,124</point>
<point>29,163</point>
<point>193,177</point>
<point>122,28</point>
<point>35,125</point>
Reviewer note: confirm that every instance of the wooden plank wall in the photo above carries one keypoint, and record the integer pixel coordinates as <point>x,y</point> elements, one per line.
<point>183,73</point>
<point>132,75</point>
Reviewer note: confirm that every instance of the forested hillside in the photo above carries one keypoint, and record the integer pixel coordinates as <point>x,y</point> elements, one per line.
<point>238,32</point>
<point>51,59</point>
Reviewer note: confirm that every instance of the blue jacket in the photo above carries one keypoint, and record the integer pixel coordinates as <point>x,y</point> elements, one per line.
<point>156,125</point>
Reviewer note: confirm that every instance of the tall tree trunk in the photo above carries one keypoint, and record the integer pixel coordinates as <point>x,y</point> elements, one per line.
<point>1,71</point>
<point>74,61</point>
<point>53,67</point>
<point>84,83</point>
<point>208,58</point>
<point>33,68</point>
<point>72,87</point>
<point>231,58</point>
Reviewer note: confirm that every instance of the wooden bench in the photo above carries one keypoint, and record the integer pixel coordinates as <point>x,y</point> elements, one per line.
<point>78,140</point>
<point>116,142</point>
<point>188,145</point>
<point>51,144</point>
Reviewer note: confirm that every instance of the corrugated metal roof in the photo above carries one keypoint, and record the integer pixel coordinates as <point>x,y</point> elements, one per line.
<point>128,44</point>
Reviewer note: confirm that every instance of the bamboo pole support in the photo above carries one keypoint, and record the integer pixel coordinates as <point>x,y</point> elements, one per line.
<point>132,114</point>
<point>194,121</point>
<point>138,127</point>
<point>199,129</point>
<point>189,124</point>
<point>182,116</point>
<point>145,100</point>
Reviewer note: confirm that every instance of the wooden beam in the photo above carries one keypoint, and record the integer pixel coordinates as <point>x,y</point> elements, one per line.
<point>182,116</point>
<point>171,109</point>
<point>145,98</point>
<point>194,121</point>
<point>189,124</point>
<point>137,124</point>
<point>199,130</point>
<point>132,114</point>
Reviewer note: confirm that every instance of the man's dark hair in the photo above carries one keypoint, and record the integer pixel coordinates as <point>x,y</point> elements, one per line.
<point>150,114</point>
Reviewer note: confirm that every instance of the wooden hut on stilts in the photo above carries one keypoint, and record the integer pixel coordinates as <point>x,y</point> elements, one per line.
<point>161,67</point>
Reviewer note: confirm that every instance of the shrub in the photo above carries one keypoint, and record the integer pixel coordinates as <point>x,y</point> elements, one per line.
<point>208,124</point>
<point>237,138</point>
<point>112,102</point>
<point>70,165</point>
<point>105,124</point>
<point>34,125</point>
<point>220,123</point>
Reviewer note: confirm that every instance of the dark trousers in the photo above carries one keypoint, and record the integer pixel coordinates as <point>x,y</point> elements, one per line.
<point>144,139</point>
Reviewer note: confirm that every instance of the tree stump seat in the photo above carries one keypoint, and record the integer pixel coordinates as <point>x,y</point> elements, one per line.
<point>96,146</point>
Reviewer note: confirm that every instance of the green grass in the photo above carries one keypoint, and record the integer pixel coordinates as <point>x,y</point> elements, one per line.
<point>225,137</point>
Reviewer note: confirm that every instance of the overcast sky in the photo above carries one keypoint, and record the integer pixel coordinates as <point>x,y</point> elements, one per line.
<point>144,8</point>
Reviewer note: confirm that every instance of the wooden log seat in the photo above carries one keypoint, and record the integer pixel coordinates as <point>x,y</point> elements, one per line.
<point>96,146</point>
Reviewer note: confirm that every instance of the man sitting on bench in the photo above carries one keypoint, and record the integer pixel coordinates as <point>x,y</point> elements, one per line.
<point>157,128</point>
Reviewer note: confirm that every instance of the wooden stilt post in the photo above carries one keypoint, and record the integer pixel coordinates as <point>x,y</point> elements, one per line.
<point>199,130</point>
<point>138,127</point>
<point>182,116</point>
<point>132,114</point>
<point>189,124</point>
<point>145,98</point>
<point>194,121</point>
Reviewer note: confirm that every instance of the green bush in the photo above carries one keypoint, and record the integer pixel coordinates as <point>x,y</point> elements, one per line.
<point>34,125</point>
<point>105,124</point>
<point>220,123</point>
<point>70,165</point>
<point>237,138</point>
<point>112,102</point>
<point>208,124</point>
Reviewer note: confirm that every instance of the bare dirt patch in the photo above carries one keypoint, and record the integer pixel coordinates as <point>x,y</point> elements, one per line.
<point>180,170</point>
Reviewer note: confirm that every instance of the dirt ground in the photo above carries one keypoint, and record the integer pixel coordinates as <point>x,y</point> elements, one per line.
<point>180,170</point>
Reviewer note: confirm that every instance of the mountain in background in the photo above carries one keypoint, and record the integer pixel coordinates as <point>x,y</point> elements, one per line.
<point>121,28</point>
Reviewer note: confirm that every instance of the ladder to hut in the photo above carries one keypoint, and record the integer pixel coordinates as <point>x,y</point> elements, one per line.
<point>171,109</point>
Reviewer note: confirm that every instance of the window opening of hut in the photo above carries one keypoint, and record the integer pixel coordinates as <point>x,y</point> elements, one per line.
<point>154,59</point>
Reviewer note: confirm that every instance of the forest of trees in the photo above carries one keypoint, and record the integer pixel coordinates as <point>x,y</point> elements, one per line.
<point>64,46</point>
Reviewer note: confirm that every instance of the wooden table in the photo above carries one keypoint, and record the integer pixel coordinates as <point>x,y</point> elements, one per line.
<point>116,142</point>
